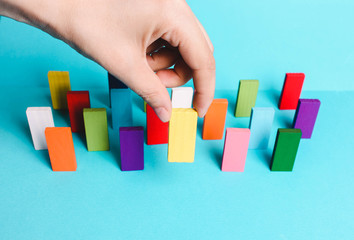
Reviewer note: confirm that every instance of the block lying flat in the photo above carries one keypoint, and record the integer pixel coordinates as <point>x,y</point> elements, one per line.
<point>182,135</point>
<point>246,97</point>
<point>114,83</point>
<point>95,120</point>
<point>182,97</point>
<point>77,101</point>
<point>39,118</point>
<point>157,131</point>
<point>306,115</point>
<point>61,148</point>
<point>261,126</point>
<point>291,91</point>
<point>131,148</point>
<point>285,149</point>
<point>214,120</point>
<point>122,113</point>
<point>235,149</point>
<point>59,85</point>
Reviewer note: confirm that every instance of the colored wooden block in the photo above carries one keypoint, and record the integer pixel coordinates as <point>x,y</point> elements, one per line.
<point>157,131</point>
<point>95,120</point>
<point>261,126</point>
<point>77,101</point>
<point>114,83</point>
<point>291,91</point>
<point>39,118</point>
<point>61,148</point>
<point>214,120</point>
<point>131,148</point>
<point>246,97</point>
<point>306,115</point>
<point>285,149</point>
<point>182,135</point>
<point>182,97</point>
<point>122,113</point>
<point>235,149</point>
<point>144,106</point>
<point>59,85</point>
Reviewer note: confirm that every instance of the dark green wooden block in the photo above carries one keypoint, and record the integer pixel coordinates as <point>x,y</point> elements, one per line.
<point>285,149</point>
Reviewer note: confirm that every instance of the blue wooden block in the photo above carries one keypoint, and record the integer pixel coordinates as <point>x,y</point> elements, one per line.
<point>114,83</point>
<point>261,126</point>
<point>122,114</point>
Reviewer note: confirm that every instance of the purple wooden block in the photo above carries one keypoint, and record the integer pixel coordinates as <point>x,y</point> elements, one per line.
<point>131,148</point>
<point>305,116</point>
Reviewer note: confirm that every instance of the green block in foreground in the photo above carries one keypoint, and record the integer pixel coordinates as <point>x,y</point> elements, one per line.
<point>285,149</point>
<point>246,97</point>
<point>96,129</point>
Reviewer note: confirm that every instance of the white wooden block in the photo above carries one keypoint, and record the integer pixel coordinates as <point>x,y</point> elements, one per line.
<point>182,97</point>
<point>39,118</point>
<point>261,126</point>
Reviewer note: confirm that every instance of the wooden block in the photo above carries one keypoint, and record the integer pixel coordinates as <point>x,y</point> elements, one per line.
<point>114,83</point>
<point>285,149</point>
<point>306,115</point>
<point>235,149</point>
<point>182,135</point>
<point>291,91</point>
<point>157,131</point>
<point>39,118</point>
<point>131,148</point>
<point>214,120</point>
<point>144,106</point>
<point>59,85</point>
<point>77,101</point>
<point>122,113</point>
<point>246,97</point>
<point>182,97</point>
<point>261,126</point>
<point>61,148</point>
<point>95,120</point>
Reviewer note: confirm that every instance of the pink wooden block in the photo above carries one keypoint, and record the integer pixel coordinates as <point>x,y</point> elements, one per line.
<point>235,149</point>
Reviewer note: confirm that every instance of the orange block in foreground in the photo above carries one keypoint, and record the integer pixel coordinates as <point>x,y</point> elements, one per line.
<point>214,120</point>
<point>61,148</point>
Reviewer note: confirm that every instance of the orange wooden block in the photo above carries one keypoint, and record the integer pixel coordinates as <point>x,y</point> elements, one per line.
<point>61,148</point>
<point>214,120</point>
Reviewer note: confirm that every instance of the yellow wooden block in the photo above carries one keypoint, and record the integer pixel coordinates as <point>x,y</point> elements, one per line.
<point>59,85</point>
<point>182,135</point>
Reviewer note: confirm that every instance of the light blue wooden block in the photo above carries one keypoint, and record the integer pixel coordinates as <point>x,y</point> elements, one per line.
<point>261,126</point>
<point>122,114</point>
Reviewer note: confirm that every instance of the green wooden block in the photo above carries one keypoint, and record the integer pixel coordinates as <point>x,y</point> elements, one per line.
<point>246,97</point>
<point>144,106</point>
<point>96,129</point>
<point>285,149</point>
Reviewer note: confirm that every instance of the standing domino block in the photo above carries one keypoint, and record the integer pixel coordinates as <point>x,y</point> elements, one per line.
<point>96,129</point>
<point>114,83</point>
<point>144,106</point>
<point>246,97</point>
<point>306,115</point>
<point>59,85</point>
<point>157,131</point>
<point>261,126</point>
<point>131,148</point>
<point>122,113</point>
<point>182,97</point>
<point>77,101</point>
<point>39,118</point>
<point>182,135</point>
<point>61,148</point>
<point>291,91</point>
<point>214,120</point>
<point>285,149</point>
<point>235,149</point>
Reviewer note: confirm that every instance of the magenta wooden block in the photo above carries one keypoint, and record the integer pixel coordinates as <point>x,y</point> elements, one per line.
<point>305,116</point>
<point>131,148</point>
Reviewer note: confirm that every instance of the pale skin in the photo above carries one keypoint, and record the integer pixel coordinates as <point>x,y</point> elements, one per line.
<point>135,40</point>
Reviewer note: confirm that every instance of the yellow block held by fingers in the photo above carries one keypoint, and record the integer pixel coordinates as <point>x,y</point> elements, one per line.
<point>182,135</point>
<point>59,85</point>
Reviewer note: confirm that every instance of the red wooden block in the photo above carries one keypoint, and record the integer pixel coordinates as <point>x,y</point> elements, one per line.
<point>77,101</point>
<point>291,91</point>
<point>157,131</point>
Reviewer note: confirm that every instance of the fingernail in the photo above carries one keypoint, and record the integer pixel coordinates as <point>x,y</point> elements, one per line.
<point>163,114</point>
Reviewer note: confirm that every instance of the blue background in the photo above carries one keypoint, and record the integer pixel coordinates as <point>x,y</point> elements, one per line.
<point>253,40</point>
